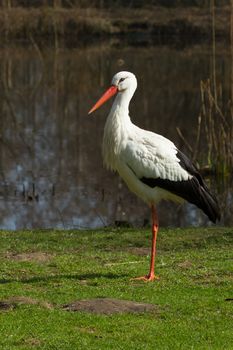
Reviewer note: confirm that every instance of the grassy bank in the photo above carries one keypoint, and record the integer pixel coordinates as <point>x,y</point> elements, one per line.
<point>74,23</point>
<point>43,270</point>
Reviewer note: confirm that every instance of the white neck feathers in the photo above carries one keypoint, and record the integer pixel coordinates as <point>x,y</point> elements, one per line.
<point>117,127</point>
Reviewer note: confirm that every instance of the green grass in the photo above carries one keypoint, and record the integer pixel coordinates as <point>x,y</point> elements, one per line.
<point>58,267</point>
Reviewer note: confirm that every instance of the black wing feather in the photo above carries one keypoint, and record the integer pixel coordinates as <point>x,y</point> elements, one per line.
<point>193,190</point>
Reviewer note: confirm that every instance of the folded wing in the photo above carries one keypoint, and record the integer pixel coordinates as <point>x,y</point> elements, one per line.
<point>157,162</point>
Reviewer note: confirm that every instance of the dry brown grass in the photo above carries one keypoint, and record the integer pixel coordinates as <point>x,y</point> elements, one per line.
<point>214,131</point>
<point>47,21</point>
<point>218,126</point>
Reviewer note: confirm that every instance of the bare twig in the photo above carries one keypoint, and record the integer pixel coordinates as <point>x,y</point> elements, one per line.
<point>184,139</point>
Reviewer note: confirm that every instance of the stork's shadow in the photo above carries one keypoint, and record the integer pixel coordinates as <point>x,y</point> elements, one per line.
<point>78,277</point>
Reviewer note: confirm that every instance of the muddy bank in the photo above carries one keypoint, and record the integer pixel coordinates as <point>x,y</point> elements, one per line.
<point>77,24</point>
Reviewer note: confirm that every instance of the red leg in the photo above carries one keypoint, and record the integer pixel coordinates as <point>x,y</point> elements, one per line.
<point>155,225</point>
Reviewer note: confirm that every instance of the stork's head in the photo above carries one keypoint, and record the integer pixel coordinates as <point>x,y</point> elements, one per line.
<point>122,81</point>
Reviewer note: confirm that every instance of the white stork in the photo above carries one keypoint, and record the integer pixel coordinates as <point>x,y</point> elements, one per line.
<point>150,164</point>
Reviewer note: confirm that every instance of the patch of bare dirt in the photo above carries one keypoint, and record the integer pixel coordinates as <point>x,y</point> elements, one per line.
<point>12,302</point>
<point>213,279</point>
<point>109,306</point>
<point>32,342</point>
<point>141,251</point>
<point>186,264</point>
<point>40,257</point>
<point>5,306</point>
<point>88,330</point>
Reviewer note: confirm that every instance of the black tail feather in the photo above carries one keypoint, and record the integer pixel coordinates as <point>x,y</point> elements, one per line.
<point>194,190</point>
<point>201,196</point>
<point>207,202</point>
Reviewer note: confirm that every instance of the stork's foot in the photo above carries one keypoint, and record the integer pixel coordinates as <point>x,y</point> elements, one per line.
<point>147,278</point>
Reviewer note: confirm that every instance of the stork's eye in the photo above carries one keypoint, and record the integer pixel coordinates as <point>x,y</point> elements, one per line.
<point>122,79</point>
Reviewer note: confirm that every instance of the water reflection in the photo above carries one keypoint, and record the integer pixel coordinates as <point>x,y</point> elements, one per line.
<point>51,172</point>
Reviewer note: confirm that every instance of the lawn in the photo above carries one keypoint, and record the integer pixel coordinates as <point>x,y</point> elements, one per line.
<point>43,270</point>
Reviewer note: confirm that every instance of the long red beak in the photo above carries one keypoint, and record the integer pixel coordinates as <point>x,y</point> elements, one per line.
<point>106,96</point>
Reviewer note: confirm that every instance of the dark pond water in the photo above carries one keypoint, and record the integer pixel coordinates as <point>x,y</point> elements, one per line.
<point>51,172</point>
